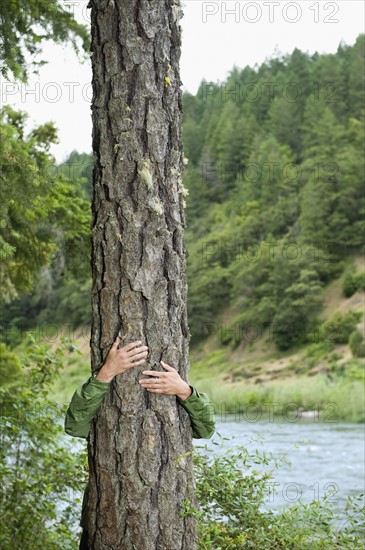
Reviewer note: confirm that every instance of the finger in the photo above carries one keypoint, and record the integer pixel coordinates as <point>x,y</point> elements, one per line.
<point>148,383</point>
<point>135,363</point>
<point>154,390</point>
<point>137,356</point>
<point>116,344</point>
<point>138,350</point>
<point>132,345</point>
<point>153,373</point>
<point>166,366</point>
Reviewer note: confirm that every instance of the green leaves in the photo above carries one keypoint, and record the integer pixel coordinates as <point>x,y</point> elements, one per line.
<point>42,478</point>
<point>40,213</point>
<point>232,488</point>
<point>25,24</point>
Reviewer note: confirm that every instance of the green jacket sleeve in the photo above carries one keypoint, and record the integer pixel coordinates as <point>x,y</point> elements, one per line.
<point>87,399</point>
<point>83,407</point>
<point>201,412</point>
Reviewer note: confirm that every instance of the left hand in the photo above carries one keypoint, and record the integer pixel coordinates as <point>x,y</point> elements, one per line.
<point>168,383</point>
<point>119,360</point>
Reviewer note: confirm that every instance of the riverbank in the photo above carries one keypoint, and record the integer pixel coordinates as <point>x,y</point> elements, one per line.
<point>320,381</point>
<point>318,399</point>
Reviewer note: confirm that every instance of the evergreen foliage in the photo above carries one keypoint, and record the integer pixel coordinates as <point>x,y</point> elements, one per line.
<point>276,200</point>
<point>24,27</point>
<point>274,209</point>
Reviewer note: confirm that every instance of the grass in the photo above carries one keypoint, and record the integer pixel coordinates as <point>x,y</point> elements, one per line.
<point>74,374</point>
<point>337,400</point>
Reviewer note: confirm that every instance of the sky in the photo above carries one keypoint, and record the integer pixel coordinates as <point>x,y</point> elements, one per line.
<point>216,36</point>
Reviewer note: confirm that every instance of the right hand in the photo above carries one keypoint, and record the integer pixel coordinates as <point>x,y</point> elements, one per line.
<point>120,360</point>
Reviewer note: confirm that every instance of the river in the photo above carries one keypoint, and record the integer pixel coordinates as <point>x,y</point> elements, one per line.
<point>325,457</point>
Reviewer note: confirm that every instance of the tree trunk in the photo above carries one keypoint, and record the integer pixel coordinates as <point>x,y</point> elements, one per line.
<point>137,482</point>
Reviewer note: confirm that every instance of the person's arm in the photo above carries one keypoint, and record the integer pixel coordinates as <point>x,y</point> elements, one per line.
<point>201,413</point>
<point>87,398</point>
<point>83,407</point>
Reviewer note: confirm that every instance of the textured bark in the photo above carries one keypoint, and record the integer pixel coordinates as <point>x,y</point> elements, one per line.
<point>137,482</point>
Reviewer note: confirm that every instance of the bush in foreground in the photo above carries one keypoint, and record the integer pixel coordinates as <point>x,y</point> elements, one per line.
<point>41,480</point>
<point>232,515</point>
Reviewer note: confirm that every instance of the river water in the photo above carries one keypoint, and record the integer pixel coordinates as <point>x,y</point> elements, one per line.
<point>325,457</point>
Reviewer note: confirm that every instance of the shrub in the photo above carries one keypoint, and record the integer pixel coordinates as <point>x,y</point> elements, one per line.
<point>353,282</point>
<point>231,512</point>
<point>9,365</point>
<point>348,285</point>
<point>40,475</point>
<point>357,344</point>
<point>359,281</point>
<point>338,329</point>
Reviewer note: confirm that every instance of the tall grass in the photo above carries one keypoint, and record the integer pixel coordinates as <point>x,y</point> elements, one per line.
<point>340,399</point>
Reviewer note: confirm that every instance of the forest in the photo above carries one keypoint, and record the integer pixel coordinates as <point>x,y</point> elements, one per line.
<point>275,209</point>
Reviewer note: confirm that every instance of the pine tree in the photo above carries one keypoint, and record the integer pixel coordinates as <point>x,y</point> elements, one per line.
<point>140,444</point>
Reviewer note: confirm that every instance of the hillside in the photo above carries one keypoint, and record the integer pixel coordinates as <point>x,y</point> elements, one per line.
<point>260,361</point>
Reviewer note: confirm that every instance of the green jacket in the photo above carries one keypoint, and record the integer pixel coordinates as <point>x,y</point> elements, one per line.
<point>87,399</point>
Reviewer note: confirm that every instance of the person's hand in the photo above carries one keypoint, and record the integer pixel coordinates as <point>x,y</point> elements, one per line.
<point>120,360</point>
<point>168,383</point>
